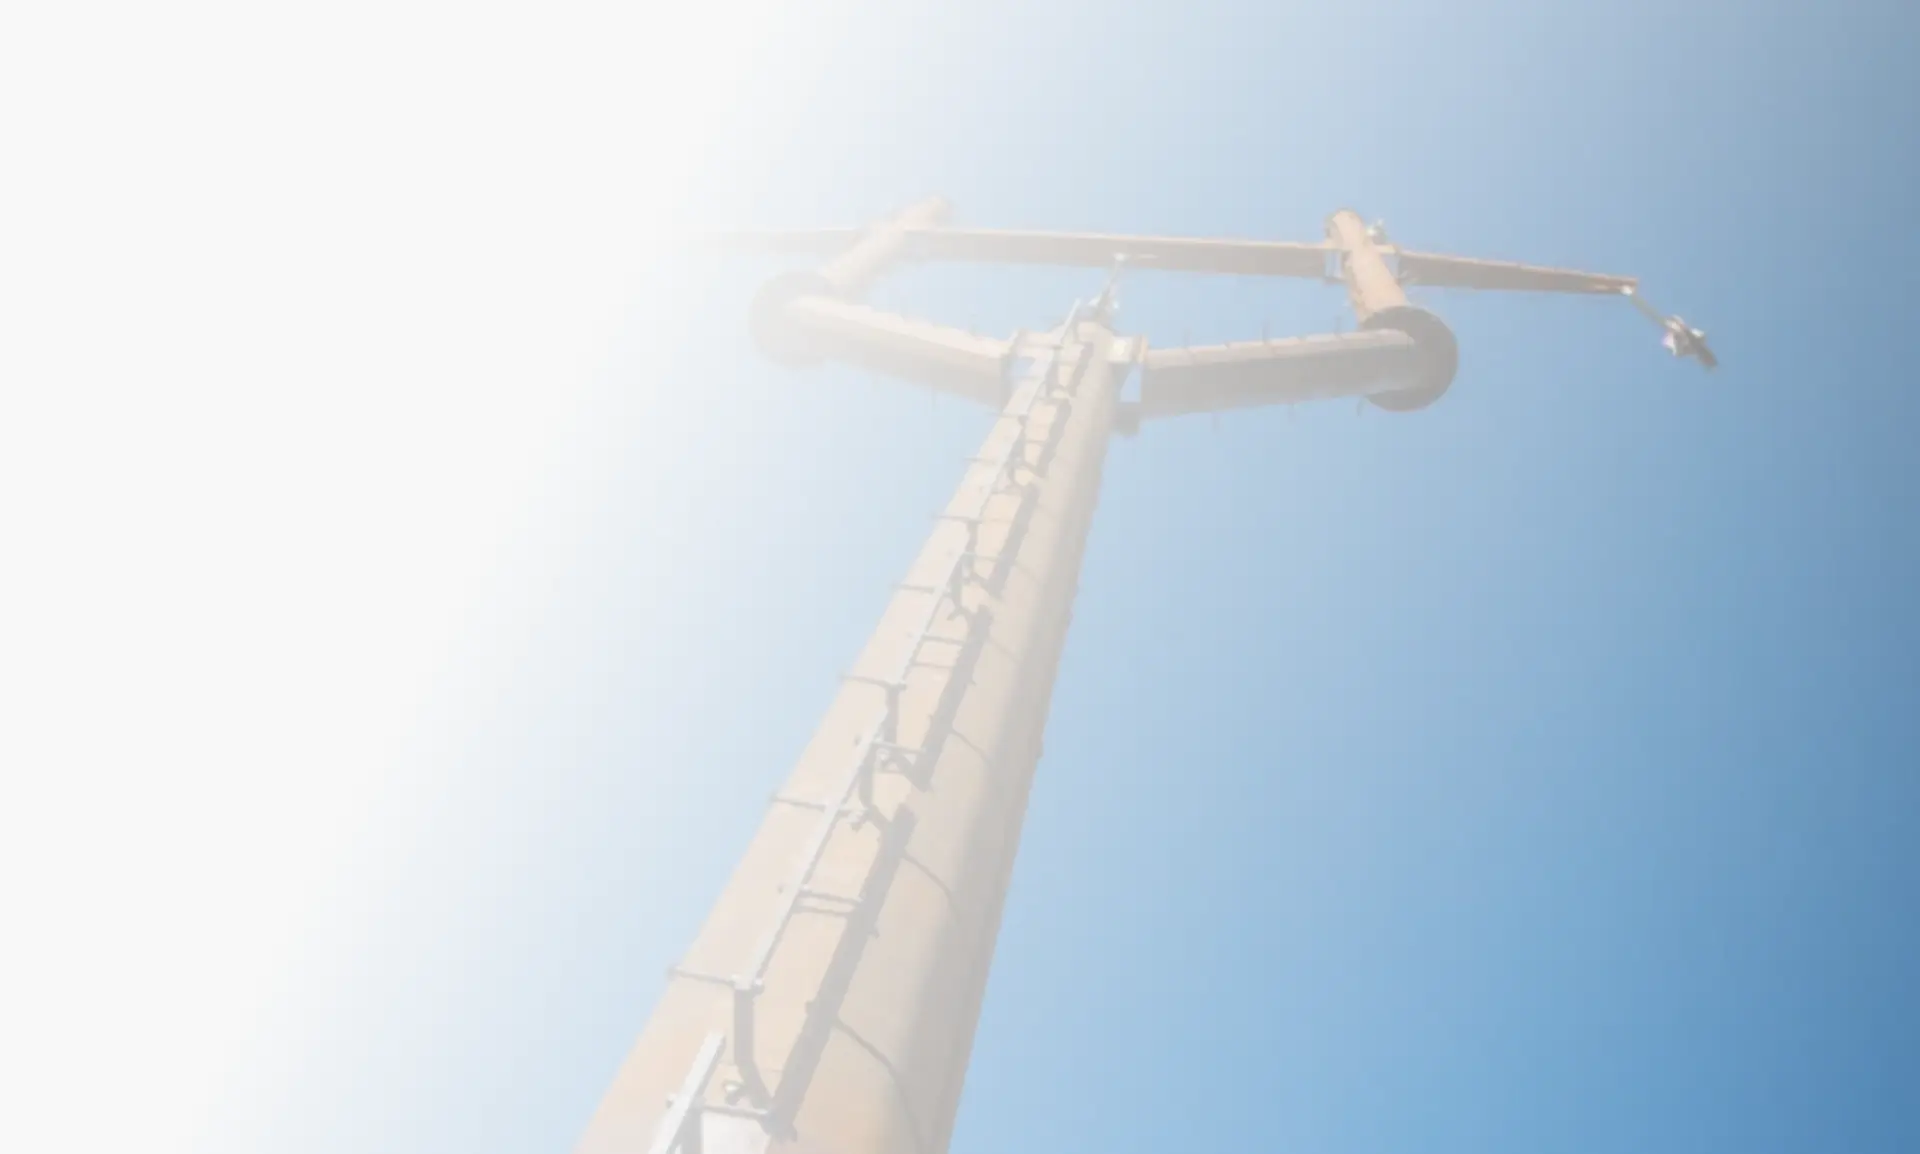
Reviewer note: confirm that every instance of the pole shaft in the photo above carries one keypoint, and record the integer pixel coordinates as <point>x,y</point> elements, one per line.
<point>869,996</point>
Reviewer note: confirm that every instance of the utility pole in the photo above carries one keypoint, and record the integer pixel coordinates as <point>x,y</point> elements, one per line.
<point>829,1002</point>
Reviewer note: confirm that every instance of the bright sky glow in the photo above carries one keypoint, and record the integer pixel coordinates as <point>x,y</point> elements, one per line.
<point>411,583</point>
<point>300,303</point>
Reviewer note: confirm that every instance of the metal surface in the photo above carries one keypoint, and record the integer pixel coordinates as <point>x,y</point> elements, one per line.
<point>1371,286</point>
<point>1214,378</point>
<point>1419,268</point>
<point>1085,250</point>
<point>680,1129</point>
<point>1188,254</point>
<point>854,271</point>
<point>829,1002</point>
<point>941,358</point>
<point>847,959</point>
<point>1380,303</point>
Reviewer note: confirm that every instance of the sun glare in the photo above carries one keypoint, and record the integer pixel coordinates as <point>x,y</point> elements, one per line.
<point>301,302</point>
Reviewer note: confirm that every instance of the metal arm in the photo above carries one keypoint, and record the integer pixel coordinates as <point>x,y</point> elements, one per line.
<point>1183,254</point>
<point>1213,378</point>
<point>1077,249</point>
<point>1423,268</point>
<point>803,318</point>
<point>945,359</point>
<point>1404,358</point>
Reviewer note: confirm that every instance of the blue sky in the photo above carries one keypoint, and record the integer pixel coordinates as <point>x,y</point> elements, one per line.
<point>1536,772</point>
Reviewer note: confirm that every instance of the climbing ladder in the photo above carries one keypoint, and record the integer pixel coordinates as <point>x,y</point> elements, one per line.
<point>1043,370</point>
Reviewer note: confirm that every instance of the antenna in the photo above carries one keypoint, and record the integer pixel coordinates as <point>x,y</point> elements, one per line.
<point>829,1002</point>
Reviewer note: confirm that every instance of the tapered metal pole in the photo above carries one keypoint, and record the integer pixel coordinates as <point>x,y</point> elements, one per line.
<point>840,975</point>
<point>830,1001</point>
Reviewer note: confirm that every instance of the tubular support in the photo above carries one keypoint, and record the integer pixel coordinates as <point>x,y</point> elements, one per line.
<point>850,274</point>
<point>1380,303</point>
<point>1214,378</point>
<point>773,316</point>
<point>1371,285</point>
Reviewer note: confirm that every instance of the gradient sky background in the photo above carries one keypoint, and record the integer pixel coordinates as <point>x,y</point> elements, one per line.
<point>1539,772</point>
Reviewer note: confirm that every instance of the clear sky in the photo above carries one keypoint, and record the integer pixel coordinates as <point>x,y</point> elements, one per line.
<point>1538,772</point>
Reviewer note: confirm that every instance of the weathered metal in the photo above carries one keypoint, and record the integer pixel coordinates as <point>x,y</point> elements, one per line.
<point>829,1002</point>
<point>1380,303</point>
<point>865,969</point>
<point>870,253</point>
<point>1214,378</point>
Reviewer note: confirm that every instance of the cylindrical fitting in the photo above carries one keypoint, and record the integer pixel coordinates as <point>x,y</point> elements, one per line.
<point>1371,285</point>
<point>1380,303</point>
<point>1439,356</point>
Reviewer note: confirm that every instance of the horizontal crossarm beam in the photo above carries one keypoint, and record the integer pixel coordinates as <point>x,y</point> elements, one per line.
<point>1421,268</point>
<point>1098,250</point>
<point>946,359</point>
<point>1077,249</point>
<point>1185,254</point>
<point>1213,378</point>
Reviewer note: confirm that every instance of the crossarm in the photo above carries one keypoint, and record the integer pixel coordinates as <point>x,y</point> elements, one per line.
<point>1185,254</point>
<point>1422,268</point>
<point>1079,249</point>
<point>1099,250</point>
<point>1213,378</point>
<point>941,358</point>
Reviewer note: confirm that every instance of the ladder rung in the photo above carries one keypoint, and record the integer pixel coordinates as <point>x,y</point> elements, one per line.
<point>924,638</point>
<point>810,803</point>
<point>824,896</point>
<point>735,1111</point>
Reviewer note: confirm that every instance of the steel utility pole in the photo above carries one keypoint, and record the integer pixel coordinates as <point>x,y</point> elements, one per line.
<point>829,1002</point>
